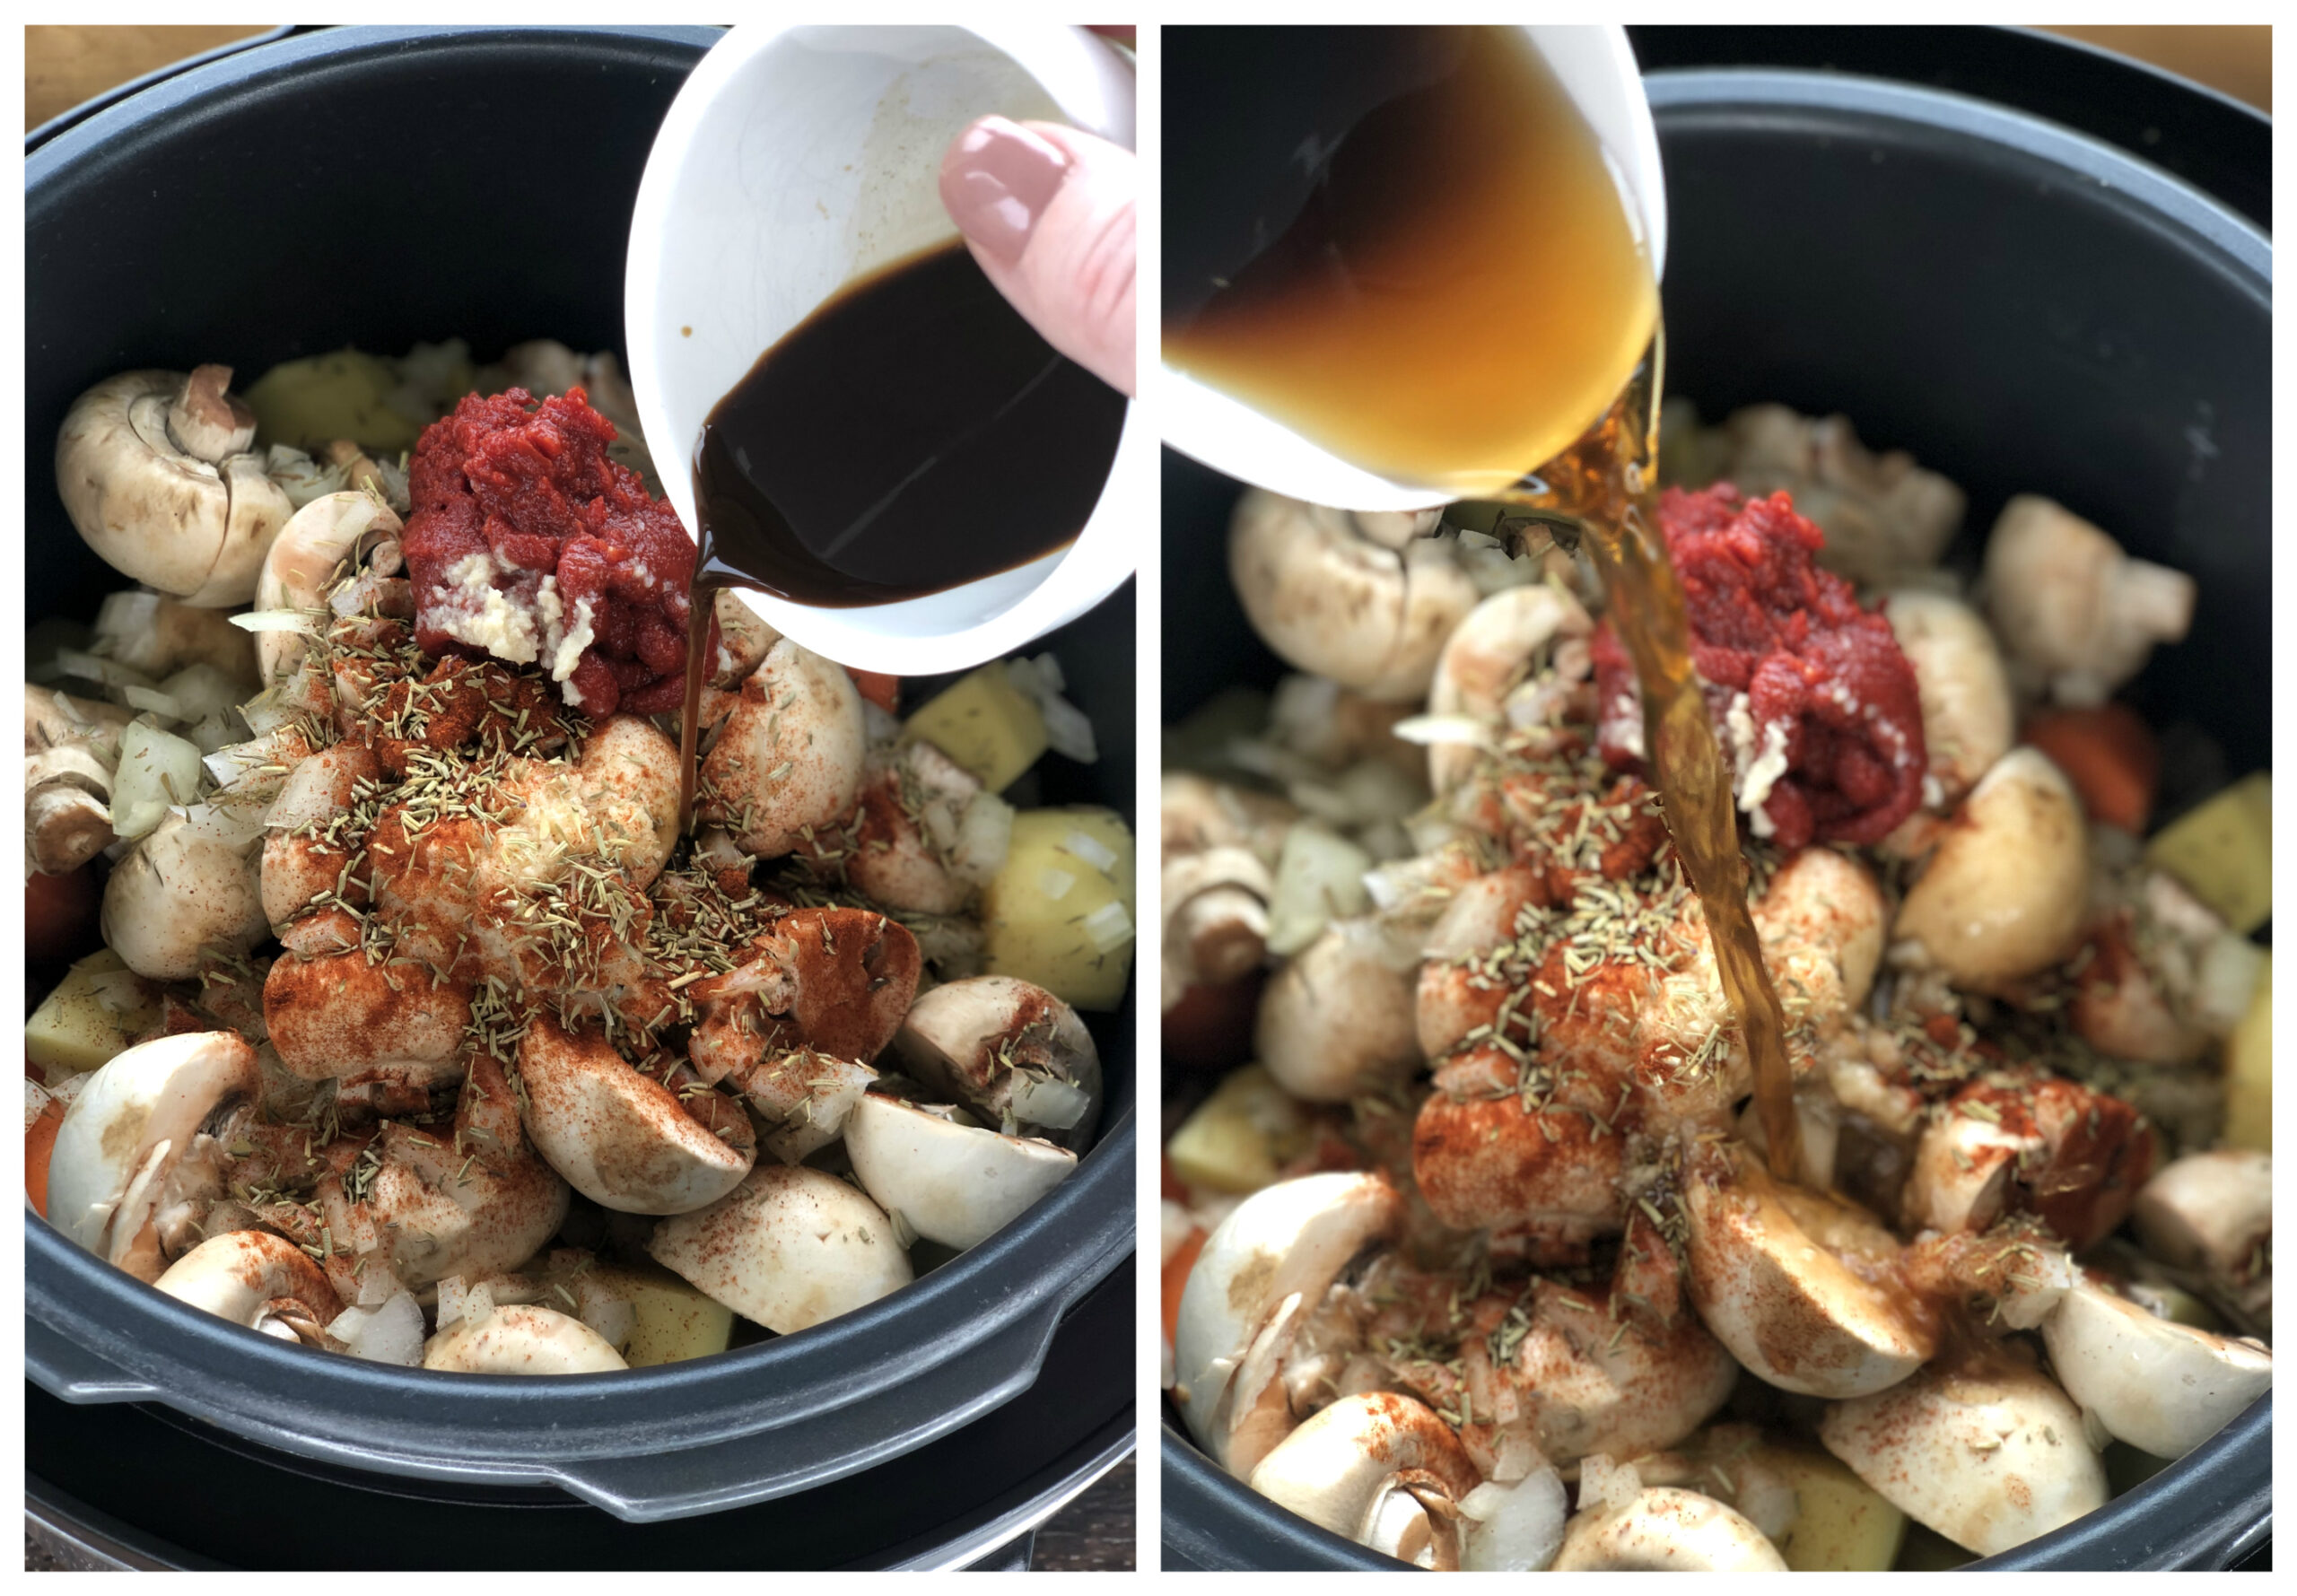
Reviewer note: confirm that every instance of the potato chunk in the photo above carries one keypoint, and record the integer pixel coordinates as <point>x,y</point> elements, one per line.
<point>984,723</point>
<point>74,1030</point>
<point>1060,911</point>
<point>675,1321</point>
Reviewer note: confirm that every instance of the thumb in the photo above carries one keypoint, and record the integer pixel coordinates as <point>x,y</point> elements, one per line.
<point>1048,212</point>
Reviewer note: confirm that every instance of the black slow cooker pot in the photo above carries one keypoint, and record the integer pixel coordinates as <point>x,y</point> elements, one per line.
<point>2026,308</point>
<point>378,186</point>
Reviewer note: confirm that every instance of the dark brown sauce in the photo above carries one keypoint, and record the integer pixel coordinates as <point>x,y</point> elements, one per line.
<point>914,433</point>
<point>1405,243</point>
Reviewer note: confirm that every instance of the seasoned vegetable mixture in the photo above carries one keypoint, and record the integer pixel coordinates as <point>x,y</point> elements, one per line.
<point>417,1031</point>
<point>1472,1253</point>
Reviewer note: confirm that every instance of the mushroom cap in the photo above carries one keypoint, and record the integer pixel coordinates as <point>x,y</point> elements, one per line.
<point>791,754</point>
<point>1988,1453</point>
<point>1666,1529</point>
<point>1346,1467</point>
<point>1764,1274</point>
<point>623,1139</point>
<point>1340,1017</point>
<point>522,1341</point>
<point>955,1184</point>
<point>1333,602</point>
<point>339,1015</point>
<point>2005,893</point>
<point>183,525</point>
<point>317,542</point>
<point>2163,1387</point>
<point>957,1039</point>
<point>134,1120</point>
<point>1492,650</point>
<point>194,884</point>
<point>1968,719</point>
<point>249,1277</point>
<point>788,1247</point>
<point>2207,1210</point>
<point>1286,1241</point>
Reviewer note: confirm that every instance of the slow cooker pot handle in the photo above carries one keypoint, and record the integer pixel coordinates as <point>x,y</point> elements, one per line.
<point>66,1370</point>
<point>823,1445</point>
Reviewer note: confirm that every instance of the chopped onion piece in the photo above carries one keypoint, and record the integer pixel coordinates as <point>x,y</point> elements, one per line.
<point>1513,1529</point>
<point>984,837</point>
<point>2225,982</point>
<point>1319,879</point>
<point>1109,927</point>
<point>1094,852</point>
<point>95,667</point>
<point>1427,730</point>
<point>452,1303</point>
<point>155,702</point>
<point>1055,884</point>
<point>157,772</point>
<point>203,690</point>
<point>1067,731</point>
<point>119,991</point>
<point>277,620</point>
<point>390,1333</point>
<point>1055,1104</point>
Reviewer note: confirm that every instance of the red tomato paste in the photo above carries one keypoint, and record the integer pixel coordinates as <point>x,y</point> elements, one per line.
<point>528,544</point>
<point>1812,699</point>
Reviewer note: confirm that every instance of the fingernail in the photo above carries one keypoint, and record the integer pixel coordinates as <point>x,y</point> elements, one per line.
<point>996,181</point>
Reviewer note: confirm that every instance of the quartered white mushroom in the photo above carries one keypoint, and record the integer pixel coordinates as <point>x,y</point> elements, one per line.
<point>71,752</point>
<point>788,755</point>
<point>743,639</point>
<point>139,1141</point>
<point>788,1247</point>
<point>1259,1273</point>
<point>623,1139</point>
<point>257,1279</point>
<point>191,885</point>
<point>2209,1211</point>
<point>469,1199</point>
<point>918,841</point>
<point>2077,616</point>
<point>521,1341</point>
<point>1968,719</point>
<point>1380,1469</point>
<point>152,470</point>
<point>1215,917</point>
<point>1366,600</point>
<point>322,542</point>
<point>1008,1050</point>
<point>1986,1452</point>
<point>1340,1017</point>
<point>1488,672</point>
<point>2005,893</point>
<point>955,1184</point>
<point>1764,1274</point>
<point>2163,1387</point>
<point>1666,1529</point>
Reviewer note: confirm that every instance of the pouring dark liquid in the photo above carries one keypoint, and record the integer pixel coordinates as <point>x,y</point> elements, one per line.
<point>914,433</point>
<point>1405,244</point>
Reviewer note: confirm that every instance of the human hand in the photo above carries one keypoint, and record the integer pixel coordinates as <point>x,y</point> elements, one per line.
<point>1048,212</point>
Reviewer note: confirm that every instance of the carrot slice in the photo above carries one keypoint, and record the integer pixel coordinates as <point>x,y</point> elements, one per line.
<point>2109,756</point>
<point>879,688</point>
<point>1176,1269</point>
<point>39,1142</point>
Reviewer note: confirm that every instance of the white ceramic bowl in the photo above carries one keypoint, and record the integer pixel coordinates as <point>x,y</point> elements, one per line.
<point>1597,68</point>
<point>797,159</point>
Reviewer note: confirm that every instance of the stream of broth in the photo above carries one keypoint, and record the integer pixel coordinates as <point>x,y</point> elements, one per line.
<point>1405,244</point>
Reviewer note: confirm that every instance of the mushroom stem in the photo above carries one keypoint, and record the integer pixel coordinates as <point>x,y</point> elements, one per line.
<point>205,421</point>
